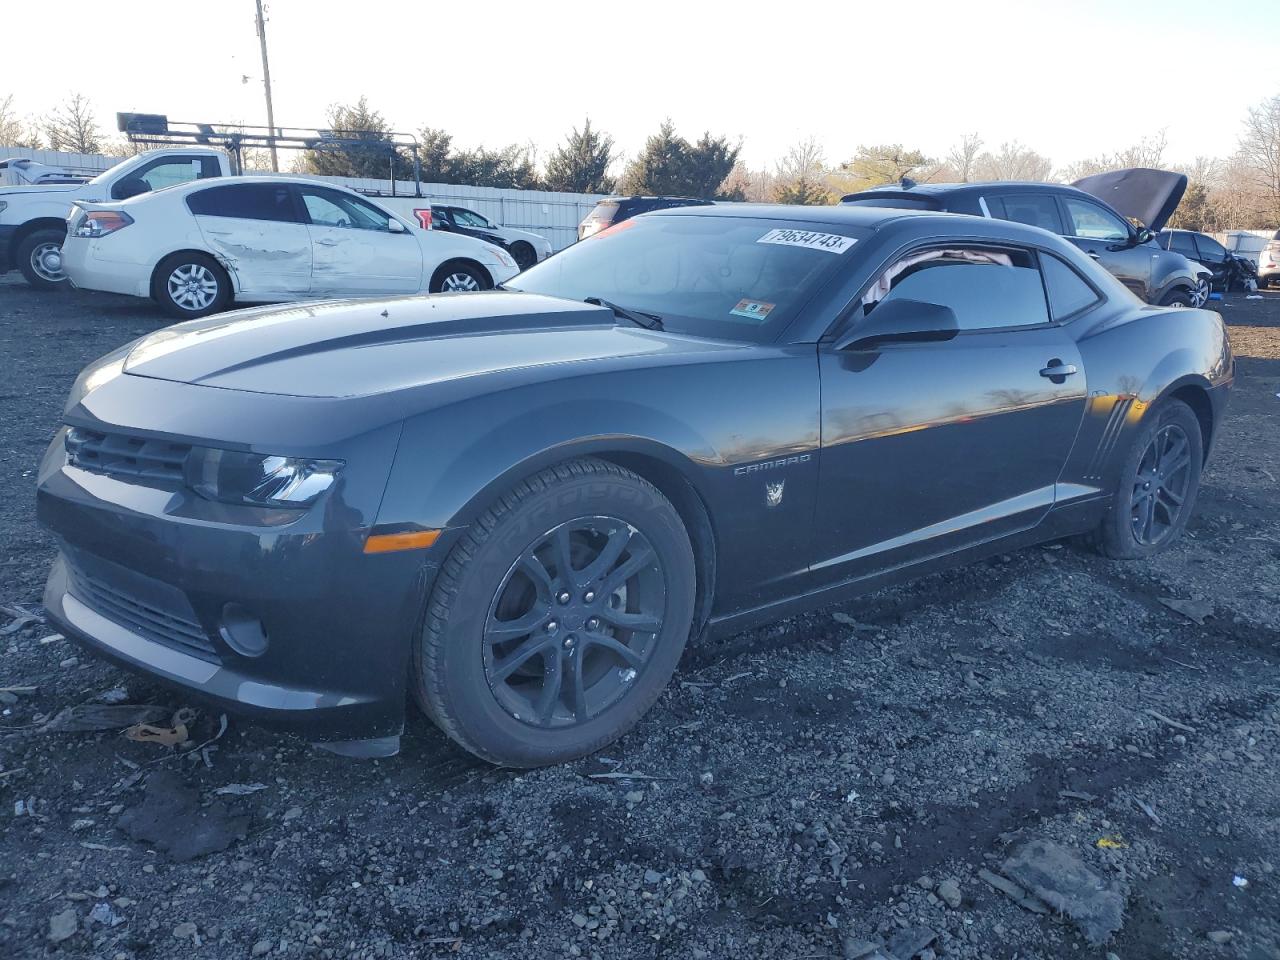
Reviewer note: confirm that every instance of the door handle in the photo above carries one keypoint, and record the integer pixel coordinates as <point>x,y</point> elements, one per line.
<point>324,242</point>
<point>1057,371</point>
<point>1095,256</point>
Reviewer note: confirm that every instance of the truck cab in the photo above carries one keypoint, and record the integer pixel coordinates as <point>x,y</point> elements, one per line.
<point>33,218</point>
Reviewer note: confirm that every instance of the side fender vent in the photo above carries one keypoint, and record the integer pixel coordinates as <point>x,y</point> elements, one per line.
<point>1107,441</point>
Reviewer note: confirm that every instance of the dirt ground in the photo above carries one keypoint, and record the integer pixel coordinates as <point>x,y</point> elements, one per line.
<point>810,790</point>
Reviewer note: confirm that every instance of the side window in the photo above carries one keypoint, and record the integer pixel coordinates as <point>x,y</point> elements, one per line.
<point>1036,209</point>
<point>164,173</point>
<point>995,289</point>
<point>1210,249</point>
<point>1091,222</point>
<point>327,208</point>
<point>247,201</point>
<point>1068,291</point>
<point>1180,243</point>
<point>468,219</point>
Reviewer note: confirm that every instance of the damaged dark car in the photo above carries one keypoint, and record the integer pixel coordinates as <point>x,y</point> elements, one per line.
<point>1112,217</point>
<point>517,507</point>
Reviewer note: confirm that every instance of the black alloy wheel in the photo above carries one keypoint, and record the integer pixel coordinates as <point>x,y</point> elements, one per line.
<point>574,622</point>
<point>1161,486</point>
<point>557,617</point>
<point>1156,484</point>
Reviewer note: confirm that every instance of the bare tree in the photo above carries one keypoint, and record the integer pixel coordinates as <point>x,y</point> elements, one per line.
<point>963,157</point>
<point>1012,161</point>
<point>1260,153</point>
<point>72,127</point>
<point>15,131</point>
<point>801,176</point>
<point>1147,152</point>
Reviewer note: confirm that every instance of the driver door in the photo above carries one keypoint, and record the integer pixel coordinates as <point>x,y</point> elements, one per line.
<point>932,446</point>
<point>354,249</point>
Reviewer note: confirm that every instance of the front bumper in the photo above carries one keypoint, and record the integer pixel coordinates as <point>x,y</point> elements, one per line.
<point>162,582</point>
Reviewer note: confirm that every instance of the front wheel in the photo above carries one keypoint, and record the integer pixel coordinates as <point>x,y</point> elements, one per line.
<point>459,277</point>
<point>1180,297</point>
<point>1157,487</point>
<point>39,257</point>
<point>190,285</point>
<point>558,618</point>
<point>524,255</point>
<point>1204,287</point>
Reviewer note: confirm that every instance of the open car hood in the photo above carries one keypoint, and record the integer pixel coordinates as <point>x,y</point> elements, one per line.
<point>1149,196</point>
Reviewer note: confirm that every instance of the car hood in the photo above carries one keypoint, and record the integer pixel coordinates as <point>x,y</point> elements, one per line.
<point>364,347</point>
<point>1149,196</point>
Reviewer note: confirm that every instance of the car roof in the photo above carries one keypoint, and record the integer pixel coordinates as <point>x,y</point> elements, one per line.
<point>835,214</point>
<point>938,191</point>
<point>193,185</point>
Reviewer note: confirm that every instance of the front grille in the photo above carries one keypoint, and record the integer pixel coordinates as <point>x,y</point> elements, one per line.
<point>145,619</point>
<point>125,456</point>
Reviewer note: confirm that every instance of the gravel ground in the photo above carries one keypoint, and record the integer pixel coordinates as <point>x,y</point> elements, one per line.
<point>833,782</point>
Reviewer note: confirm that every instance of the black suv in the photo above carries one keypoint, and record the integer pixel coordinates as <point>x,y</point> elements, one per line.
<point>613,210</point>
<point>1080,215</point>
<point>1229,271</point>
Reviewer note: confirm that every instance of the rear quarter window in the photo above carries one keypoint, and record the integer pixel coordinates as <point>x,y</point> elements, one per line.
<point>1069,293</point>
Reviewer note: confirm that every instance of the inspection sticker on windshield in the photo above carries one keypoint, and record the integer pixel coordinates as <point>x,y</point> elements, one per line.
<point>752,309</point>
<point>830,242</point>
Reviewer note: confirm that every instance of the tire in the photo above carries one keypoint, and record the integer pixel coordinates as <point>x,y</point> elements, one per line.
<point>468,673</point>
<point>1178,297</point>
<point>1203,289</point>
<point>524,255</point>
<point>191,285</point>
<point>1121,534</point>
<point>459,276</point>
<point>39,257</point>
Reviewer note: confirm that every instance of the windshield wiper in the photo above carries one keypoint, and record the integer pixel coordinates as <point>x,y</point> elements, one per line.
<point>650,321</point>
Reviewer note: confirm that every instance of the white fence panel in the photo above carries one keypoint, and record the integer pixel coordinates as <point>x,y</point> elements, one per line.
<point>552,214</point>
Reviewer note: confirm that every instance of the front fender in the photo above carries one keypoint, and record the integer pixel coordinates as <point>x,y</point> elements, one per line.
<point>461,464</point>
<point>717,424</point>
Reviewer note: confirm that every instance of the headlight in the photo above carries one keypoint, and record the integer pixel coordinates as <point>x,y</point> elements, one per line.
<point>257,480</point>
<point>3,204</point>
<point>504,258</point>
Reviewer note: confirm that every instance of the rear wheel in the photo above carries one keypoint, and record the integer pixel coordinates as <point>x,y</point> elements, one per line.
<point>39,257</point>
<point>1201,296</point>
<point>190,285</point>
<point>1157,487</point>
<point>558,619</point>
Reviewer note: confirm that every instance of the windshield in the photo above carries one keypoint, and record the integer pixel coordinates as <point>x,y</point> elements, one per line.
<point>734,278</point>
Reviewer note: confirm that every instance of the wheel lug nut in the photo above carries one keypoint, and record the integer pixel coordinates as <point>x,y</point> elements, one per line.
<point>590,596</point>
<point>593,624</point>
<point>564,597</point>
<point>569,642</point>
<point>552,626</point>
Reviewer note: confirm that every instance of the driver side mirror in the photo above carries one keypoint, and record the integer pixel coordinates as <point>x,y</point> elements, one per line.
<point>130,187</point>
<point>395,226</point>
<point>901,321</point>
<point>1145,235</point>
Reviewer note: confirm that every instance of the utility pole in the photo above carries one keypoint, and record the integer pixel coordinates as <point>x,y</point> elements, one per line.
<point>266,83</point>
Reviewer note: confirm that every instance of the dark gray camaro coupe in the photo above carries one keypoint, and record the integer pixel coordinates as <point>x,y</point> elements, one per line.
<point>520,505</point>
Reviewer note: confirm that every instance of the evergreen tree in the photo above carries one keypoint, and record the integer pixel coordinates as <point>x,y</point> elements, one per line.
<point>581,163</point>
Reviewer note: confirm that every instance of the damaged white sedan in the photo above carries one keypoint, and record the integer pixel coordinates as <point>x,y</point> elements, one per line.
<point>199,247</point>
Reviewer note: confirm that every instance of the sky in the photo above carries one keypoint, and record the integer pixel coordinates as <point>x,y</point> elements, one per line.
<point>1071,80</point>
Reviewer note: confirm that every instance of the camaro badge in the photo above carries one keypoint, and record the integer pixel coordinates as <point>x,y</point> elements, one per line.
<point>773,493</point>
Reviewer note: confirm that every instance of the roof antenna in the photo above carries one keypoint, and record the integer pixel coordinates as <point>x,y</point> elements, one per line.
<point>907,183</point>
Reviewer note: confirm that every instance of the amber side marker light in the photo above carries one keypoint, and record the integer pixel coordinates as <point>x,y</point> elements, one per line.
<point>391,542</point>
